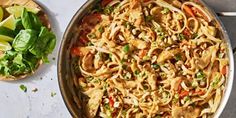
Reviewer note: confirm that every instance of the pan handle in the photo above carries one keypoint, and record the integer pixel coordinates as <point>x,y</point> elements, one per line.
<point>226,14</point>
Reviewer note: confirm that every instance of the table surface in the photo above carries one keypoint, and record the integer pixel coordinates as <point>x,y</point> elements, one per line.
<point>14,103</point>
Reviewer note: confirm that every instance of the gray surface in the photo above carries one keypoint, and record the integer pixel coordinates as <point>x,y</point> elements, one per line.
<point>230,24</point>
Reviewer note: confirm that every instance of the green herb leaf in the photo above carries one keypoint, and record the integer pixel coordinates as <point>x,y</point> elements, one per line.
<point>155,66</point>
<point>186,98</point>
<point>45,43</point>
<point>181,36</point>
<point>108,10</point>
<point>35,21</point>
<point>178,57</point>
<point>200,75</point>
<point>146,58</point>
<point>110,56</point>
<point>18,59</point>
<point>101,29</point>
<point>31,61</point>
<point>19,26</point>
<point>26,20</point>
<point>165,11</point>
<point>23,88</point>
<point>194,35</point>
<point>107,106</point>
<point>24,40</point>
<point>128,25</point>
<point>149,18</point>
<point>30,20</point>
<point>92,36</point>
<point>126,48</point>
<point>136,72</point>
<point>89,79</point>
<point>216,80</point>
<point>96,80</point>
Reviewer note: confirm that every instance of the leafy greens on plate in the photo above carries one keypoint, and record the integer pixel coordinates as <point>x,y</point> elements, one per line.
<point>24,41</point>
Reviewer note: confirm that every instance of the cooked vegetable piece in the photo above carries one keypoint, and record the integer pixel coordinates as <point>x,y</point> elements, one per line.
<point>188,10</point>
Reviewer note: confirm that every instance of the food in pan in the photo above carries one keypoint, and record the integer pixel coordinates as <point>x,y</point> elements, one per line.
<point>149,59</point>
<point>25,38</point>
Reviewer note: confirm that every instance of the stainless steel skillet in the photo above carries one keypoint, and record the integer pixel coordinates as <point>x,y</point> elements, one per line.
<point>71,94</point>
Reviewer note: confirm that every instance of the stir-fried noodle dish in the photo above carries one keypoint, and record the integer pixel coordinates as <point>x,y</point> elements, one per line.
<point>149,59</point>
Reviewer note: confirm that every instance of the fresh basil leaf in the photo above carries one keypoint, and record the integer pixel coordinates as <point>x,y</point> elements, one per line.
<point>126,48</point>
<point>45,59</point>
<point>18,69</point>
<point>9,55</point>
<point>26,20</point>
<point>3,67</point>
<point>19,26</point>
<point>52,44</point>
<point>30,20</point>
<point>12,64</point>
<point>30,60</point>
<point>37,24</point>
<point>44,44</point>
<point>18,59</point>
<point>24,40</point>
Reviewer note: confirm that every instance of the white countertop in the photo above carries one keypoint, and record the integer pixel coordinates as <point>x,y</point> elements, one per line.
<point>14,103</point>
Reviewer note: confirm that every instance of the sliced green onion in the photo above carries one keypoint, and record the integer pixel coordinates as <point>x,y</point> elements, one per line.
<point>101,29</point>
<point>155,66</point>
<point>136,72</point>
<point>108,10</point>
<point>126,48</point>
<point>145,58</point>
<point>181,36</point>
<point>186,98</point>
<point>165,11</point>
<point>200,75</point>
<point>149,18</point>
<point>92,36</point>
<point>178,57</point>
